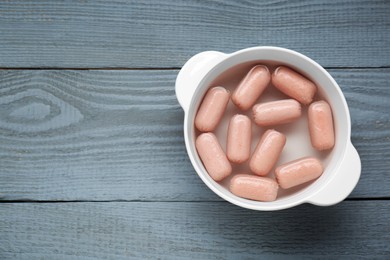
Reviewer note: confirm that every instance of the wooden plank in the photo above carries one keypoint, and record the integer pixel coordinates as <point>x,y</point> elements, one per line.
<point>210,230</point>
<point>117,135</point>
<point>90,34</point>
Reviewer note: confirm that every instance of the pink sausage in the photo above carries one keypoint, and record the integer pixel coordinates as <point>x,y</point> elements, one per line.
<point>238,146</point>
<point>251,87</point>
<point>254,187</point>
<point>294,85</point>
<point>297,172</point>
<point>212,156</point>
<point>267,152</point>
<point>212,109</point>
<point>321,125</point>
<point>276,112</point>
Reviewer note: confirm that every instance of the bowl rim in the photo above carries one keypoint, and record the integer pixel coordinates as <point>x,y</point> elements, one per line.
<point>235,59</point>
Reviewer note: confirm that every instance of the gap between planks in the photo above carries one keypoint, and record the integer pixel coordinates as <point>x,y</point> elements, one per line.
<point>157,201</point>
<point>163,68</point>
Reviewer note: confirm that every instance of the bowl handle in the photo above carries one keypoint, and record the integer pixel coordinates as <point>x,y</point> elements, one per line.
<point>192,73</point>
<point>344,181</point>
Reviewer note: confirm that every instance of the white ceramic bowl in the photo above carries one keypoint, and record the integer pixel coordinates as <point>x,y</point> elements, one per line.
<point>343,165</point>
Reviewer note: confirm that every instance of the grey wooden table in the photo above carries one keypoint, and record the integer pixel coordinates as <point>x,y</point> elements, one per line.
<point>92,158</point>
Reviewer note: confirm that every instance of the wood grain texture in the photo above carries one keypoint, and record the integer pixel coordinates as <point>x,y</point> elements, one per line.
<point>117,135</point>
<point>145,34</point>
<point>210,230</point>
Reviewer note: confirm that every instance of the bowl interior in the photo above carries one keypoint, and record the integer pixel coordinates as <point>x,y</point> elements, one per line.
<point>228,73</point>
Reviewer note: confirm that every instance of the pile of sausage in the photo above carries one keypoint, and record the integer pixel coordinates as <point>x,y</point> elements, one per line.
<point>238,149</point>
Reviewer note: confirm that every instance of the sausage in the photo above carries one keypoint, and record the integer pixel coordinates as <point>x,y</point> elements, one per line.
<point>251,87</point>
<point>239,139</point>
<point>277,112</point>
<point>297,172</point>
<point>212,156</point>
<point>294,85</point>
<point>254,187</point>
<point>321,126</point>
<point>267,152</point>
<point>212,109</point>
